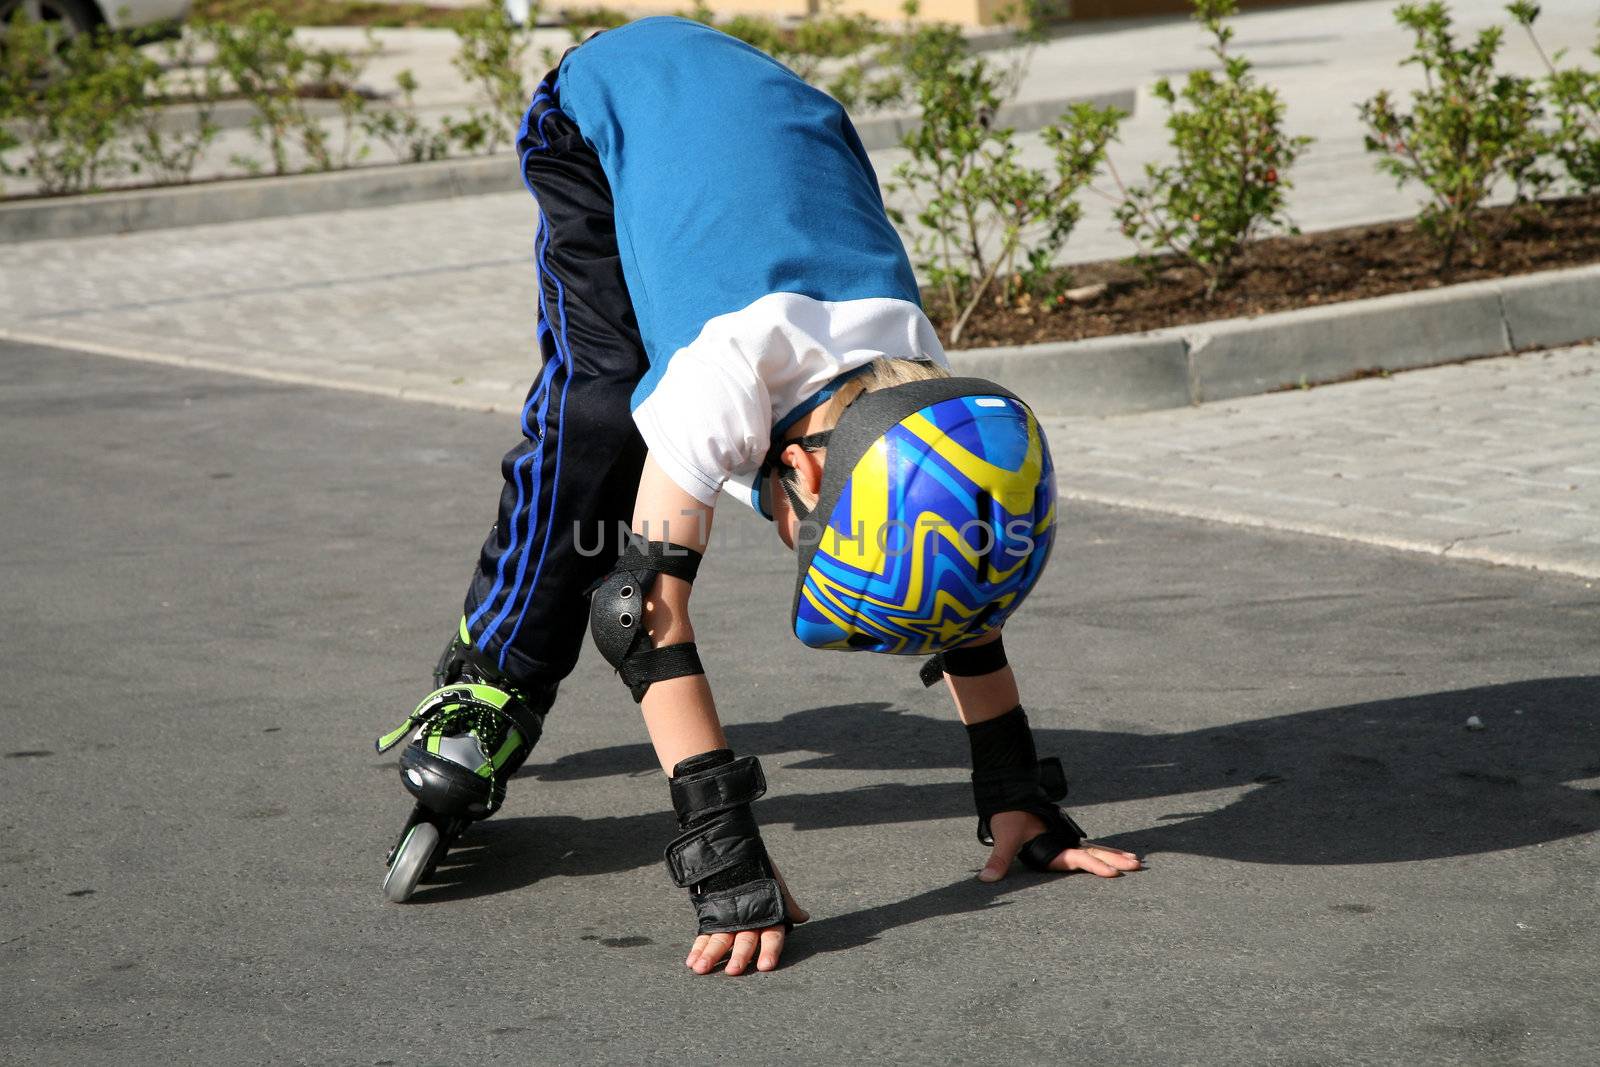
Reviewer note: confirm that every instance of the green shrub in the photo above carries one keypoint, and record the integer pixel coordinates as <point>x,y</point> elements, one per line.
<point>1573,95</point>
<point>892,74</point>
<point>493,58</point>
<point>166,148</point>
<point>1233,159</point>
<point>275,74</point>
<point>372,13</point>
<point>404,132</point>
<point>986,225</point>
<point>1468,130</point>
<point>582,21</point>
<point>804,45</point>
<point>71,100</point>
<point>335,76</point>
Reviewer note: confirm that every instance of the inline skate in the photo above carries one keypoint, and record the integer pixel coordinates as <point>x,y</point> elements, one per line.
<point>471,734</point>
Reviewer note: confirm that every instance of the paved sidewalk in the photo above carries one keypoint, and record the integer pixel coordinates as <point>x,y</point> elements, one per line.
<point>430,299</point>
<point>1496,460</point>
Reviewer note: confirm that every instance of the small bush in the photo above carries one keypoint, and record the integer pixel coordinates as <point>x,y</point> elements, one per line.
<point>335,75</point>
<point>401,129</point>
<point>1573,96</point>
<point>802,46</point>
<point>988,226</point>
<point>1233,159</point>
<point>371,13</point>
<point>582,21</point>
<point>1469,129</point>
<point>165,148</point>
<point>275,73</point>
<point>893,74</point>
<point>71,100</point>
<point>493,58</point>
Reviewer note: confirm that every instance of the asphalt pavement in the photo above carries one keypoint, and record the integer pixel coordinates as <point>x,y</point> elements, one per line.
<point>218,590</point>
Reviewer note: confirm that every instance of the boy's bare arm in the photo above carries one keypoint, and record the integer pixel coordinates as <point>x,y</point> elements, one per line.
<point>680,713</point>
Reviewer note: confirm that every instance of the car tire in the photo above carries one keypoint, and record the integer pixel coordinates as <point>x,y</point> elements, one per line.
<point>72,17</point>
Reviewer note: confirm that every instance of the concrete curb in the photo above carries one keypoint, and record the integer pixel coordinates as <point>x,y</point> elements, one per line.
<point>203,203</point>
<point>886,131</point>
<point>1240,357</point>
<point>237,200</point>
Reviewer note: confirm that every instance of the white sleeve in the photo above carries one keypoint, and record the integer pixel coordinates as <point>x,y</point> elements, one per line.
<point>704,421</point>
<point>709,418</point>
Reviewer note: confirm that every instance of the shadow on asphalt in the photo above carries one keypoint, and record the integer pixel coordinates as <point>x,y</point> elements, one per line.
<point>1380,782</point>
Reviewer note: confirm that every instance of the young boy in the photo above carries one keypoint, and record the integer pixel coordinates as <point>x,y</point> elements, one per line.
<point>722,299</point>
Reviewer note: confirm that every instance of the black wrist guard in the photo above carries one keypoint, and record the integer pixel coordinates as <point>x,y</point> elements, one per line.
<point>965,661</point>
<point>719,858</point>
<point>1008,775</point>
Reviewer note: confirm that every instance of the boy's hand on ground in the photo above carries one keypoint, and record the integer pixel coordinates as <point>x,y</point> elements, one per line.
<point>742,947</point>
<point>1013,829</point>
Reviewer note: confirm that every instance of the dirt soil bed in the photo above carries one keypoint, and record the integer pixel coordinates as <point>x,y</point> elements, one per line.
<point>1283,273</point>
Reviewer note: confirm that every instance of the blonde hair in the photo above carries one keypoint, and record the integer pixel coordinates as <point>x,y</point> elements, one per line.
<point>881,373</point>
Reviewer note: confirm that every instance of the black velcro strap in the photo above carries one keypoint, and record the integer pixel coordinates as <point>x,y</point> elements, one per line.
<point>712,847</point>
<point>529,723</point>
<point>641,669</point>
<point>751,906</point>
<point>1008,792</point>
<point>1052,779</point>
<point>695,796</point>
<point>662,557</point>
<point>973,661</point>
<point>1061,833</point>
<point>965,661</point>
<point>1005,766</point>
<point>1037,793</point>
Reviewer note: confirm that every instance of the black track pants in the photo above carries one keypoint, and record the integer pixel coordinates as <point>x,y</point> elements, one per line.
<point>570,484</point>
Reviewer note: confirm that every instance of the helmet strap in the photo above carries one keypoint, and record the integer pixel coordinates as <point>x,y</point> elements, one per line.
<point>790,478</point>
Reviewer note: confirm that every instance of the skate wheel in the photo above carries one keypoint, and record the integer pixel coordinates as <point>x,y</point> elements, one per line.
<point>411,858</point>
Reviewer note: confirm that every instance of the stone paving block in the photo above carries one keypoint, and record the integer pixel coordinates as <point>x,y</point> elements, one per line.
<point>1408,330</point>
<point>1402,482</point>
<point>221,202</point>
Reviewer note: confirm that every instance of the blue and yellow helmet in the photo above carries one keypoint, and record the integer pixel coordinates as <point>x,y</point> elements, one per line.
<point>935,519</point>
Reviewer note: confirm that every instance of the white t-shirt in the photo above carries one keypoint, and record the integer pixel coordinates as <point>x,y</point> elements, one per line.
<point>711,416</point>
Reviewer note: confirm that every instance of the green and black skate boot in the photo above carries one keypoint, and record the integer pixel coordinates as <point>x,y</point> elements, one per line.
<point>470,735</point>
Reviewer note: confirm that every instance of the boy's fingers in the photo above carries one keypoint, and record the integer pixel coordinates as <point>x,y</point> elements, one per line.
<point>716,948</point>
<point>1114,858</point>
<point>745,944</point>
<point>1122,861</point>
<point>1077,859</point>
<point>698,947</point>
<point>1005,850</point>
<point>771,948</point>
